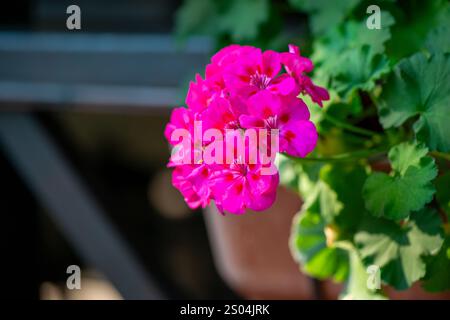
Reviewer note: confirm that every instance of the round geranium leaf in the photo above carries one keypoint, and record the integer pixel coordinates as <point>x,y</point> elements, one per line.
<point>399,250</point>
<point>407,188</point>
<point>438,270</point>
<point>420,87</point>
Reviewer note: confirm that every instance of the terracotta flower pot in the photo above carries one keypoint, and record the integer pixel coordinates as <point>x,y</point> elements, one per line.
<point>252,254</point>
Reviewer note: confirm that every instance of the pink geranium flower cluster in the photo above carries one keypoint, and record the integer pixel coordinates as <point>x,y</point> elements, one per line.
<point>244,88</point>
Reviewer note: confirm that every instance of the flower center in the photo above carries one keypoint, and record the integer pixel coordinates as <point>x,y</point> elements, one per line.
<point>239,167</point>
<point>271,122</point>
<point>261,81</point>
<point>234,124</point>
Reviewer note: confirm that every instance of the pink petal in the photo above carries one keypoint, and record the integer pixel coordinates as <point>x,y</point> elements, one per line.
<point>264,104</point>
<point>298,138</point>
<point>293,108</point>
<point>218,115</point>
<point>294,49</point>
<point>181,182</point>
<point>285,85</point>
<point>317,94</point>
<point>231,54</point>
<point>248,121</point>
<point>271,63</point>
<point>258,182</point>
<point>181,118</point>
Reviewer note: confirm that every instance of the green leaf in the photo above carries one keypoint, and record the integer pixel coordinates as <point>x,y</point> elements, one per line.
<point>405,155</point>
<point>408,187</point>
<point>357,288</point>
<point>196,17</point>
<point>420,87</point>
<point>399,249</point>
<point>308,177</point>
<point>438,270</point>
<point>318,196</point>
<point>329,204</point>
<point>354,34</point>
<point>358,69</point>
<point>442,184</point>
<point>438,40</point>
<point>341,51</point>
<point>346,182</point>
<point>357,34</point>
<point>240,19</point>
<point>309,247</point>
<point>332,210</point>
<point>325,14</point>
<point>334,190</point>
<point>243,17</point>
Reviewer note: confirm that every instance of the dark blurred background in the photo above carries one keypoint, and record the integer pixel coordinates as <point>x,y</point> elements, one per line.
<point>102,95</point>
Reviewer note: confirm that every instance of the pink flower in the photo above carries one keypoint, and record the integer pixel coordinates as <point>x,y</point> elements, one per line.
<point>223,113</point>
<point>240,186</point>
<point>181,118</point>
<point>294,63</point>
<point>244,90</point>
<point>223,59</point>
<point>179,132</point>
<point>256,71</point>
<point>193,183</point>
<point>296,66</point>
<point>200,94</point>
<point>297,135</point>
<point>226,57</point>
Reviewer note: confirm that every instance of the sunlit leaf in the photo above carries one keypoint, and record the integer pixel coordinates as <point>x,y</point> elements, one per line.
<point>398,250</point>
<point>408,188</point>
<point>357,288</point>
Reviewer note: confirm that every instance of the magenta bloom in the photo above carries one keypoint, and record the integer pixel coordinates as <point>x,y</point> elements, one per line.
<point>256,71</point>
<point>297,135</point>
<point>297,66</point>
<point>240,186</point>
<point>193,183</point>
<point>200,94</point>
<point>181,118</point>
<point>223,113</point>
<point>245,91</point>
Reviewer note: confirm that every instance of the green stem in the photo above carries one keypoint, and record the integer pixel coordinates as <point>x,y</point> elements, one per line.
<point>348,156</point>
<point>349,127</point>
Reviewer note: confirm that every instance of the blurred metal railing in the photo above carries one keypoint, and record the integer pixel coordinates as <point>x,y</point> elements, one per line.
<point>94,72</point>
<point>57,70</point>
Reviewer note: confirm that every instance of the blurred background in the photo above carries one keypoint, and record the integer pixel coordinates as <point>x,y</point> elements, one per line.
<point>83,157</point>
